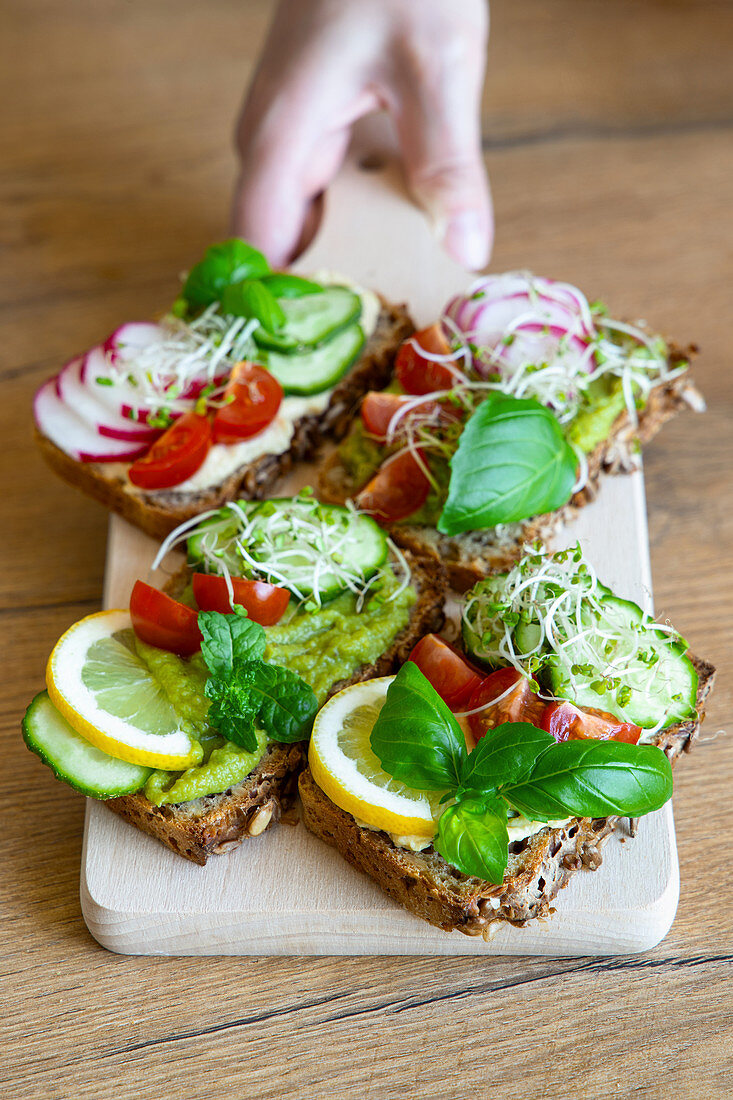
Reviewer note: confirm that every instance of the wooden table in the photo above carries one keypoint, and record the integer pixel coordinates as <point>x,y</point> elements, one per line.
<point>608,138</point>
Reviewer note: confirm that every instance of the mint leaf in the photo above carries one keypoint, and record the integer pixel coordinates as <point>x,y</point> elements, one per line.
<point>593,779</point>
<point>472,836</point>
<point>512,462</point>
<point>251,298</point>
<point>227,640</point>
<point>223,264</point>
<point>416,737</point>
<point>286,705</point>
<point>504,755</point>
<point>233,711</point>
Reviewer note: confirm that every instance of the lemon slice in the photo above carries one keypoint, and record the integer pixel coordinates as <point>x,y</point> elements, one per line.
<point>345,768</point>
<point>108,695</point>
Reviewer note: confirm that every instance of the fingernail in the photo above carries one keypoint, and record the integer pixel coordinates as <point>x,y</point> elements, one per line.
<point>466,239</point>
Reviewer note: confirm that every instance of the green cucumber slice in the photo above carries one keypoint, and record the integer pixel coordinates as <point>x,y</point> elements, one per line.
<point>312,319</point>
<point>661,678</point>
<point>319,369</point>
<point>312,549</point>
<point>72,759</point>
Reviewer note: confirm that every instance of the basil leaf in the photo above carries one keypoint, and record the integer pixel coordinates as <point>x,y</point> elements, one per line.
<point>504,755</point>
<point>290,286</point>
<point>251,298</point>
<point>286,705</point>
<point>416,737</point>
<point>233,711</point>
<point>228,640</point>
<point>512,462</point>
<point>472,836</point>
<point>593,779</point>
<point>223,264</point>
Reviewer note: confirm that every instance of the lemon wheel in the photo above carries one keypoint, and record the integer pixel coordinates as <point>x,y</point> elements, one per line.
<point>346,769</point>
<point>106,693</point>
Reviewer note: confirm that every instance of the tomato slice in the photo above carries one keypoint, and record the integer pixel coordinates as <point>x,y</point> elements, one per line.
<point>446,669</point>
<point>377,410</point>
<point>519,704</point>
<point>162,621</point>
<point>398,489</point>
<point>415,373</point>
<point>174,457</point>
<point>566,722</point>
<point>264,603</point>
<point>253,397</point>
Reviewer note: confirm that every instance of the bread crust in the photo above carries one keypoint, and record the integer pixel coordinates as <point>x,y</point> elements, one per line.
<point>470,556</point>
<point>538,868</point>
<point>159,512</point>
<point>217,823</point>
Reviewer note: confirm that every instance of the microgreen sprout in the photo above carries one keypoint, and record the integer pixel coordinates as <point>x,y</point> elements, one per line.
<point>551,612</point>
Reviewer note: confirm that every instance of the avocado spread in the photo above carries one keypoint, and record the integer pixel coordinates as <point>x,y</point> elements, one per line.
<point>321,646</point>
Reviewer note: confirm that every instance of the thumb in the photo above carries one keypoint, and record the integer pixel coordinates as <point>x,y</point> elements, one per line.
<point>437,118</point>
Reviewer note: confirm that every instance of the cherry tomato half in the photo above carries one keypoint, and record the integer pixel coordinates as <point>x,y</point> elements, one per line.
<point>174,457</point>
<point>566,722</point>
<point>520,704</point>
<point>378,409</point>
<point>253,397</point>
<point>162,621</point>
<point>398,489</point>
<point>264,603</point>
<point>414,372</point>
<point>446,669</point>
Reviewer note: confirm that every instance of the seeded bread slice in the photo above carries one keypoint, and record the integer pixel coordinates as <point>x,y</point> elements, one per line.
<point>160,511</point>
<point>468,557</point>
<point>219,822</point>
<point>538,867</point>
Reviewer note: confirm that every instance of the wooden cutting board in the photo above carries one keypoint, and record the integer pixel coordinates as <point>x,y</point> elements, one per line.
<point>287,893</point>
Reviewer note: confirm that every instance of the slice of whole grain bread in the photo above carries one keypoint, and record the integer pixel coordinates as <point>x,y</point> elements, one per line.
<point>160,511</point>
<point>468,557</point>
<point>538,867</point>
<point>219,822</point>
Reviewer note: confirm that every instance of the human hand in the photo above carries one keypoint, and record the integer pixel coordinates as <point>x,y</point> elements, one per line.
<point>327,63</point>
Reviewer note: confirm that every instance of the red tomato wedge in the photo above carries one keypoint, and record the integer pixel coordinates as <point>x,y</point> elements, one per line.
<point>164,622</point>
<point>414,372</point>
<point>253,397</point>
<point>378,409</point>
<point>264,603</point>
<point>449,673</point>
<point>520,704</point>
<point>174,457</point>
<point>398,489</point>
<point>566,722</point>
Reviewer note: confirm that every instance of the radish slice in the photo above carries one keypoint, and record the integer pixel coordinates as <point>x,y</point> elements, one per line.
<point>131,337</point>
<point>71,434</point>
<point>517,320</point>
<point>82,398</point>
<point>116,395</point>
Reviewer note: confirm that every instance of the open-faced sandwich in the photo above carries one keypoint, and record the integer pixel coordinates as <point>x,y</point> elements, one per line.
<point>471,787</point>
<point>501,420</point>
<point>188,713</point>
<point>249,373</point>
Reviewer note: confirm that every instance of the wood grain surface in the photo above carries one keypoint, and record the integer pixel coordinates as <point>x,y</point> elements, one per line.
<point>608,136</point>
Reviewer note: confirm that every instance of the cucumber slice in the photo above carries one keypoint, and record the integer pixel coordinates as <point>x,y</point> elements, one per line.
<point>472,639</point>
<point>312,549</point>
<point>312,319</point>
<point>661,678</point>
<point>320,368</point>
<point>300,539</point>
<point>74,760</point>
